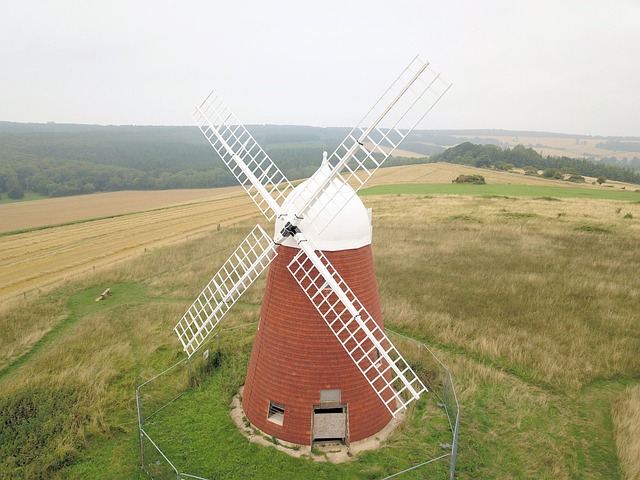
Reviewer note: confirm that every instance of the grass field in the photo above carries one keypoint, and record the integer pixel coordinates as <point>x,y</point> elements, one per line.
<point>540,191</point>
<point>531,301</point>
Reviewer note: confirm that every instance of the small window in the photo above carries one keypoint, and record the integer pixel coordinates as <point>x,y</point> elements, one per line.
<point>330,396</point>
<point>276,413</point>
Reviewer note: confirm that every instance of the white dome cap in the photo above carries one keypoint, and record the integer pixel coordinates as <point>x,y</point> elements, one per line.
<point>350,229</point>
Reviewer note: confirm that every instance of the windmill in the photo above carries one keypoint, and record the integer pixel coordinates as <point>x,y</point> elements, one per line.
<point>321,368</point>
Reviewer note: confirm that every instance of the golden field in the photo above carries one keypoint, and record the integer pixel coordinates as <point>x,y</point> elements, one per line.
<point>34,260</point>
<point>56,211</point>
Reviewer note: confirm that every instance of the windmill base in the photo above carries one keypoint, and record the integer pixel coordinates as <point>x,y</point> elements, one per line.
<point>332,451</point>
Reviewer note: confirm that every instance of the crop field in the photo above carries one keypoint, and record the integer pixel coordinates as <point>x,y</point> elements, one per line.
<point>33,260</point>
<point>26,215</point>
<point>531,301</point>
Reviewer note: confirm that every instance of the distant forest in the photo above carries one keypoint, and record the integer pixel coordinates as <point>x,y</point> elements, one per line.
<point>67,159</point>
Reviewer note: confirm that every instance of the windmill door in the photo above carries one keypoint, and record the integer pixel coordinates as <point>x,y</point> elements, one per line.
<point>330,424</point>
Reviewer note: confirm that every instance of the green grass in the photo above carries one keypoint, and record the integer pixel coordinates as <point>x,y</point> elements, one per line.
<point>79,305</point>
<point>499,190</point>
<point>197,433</point>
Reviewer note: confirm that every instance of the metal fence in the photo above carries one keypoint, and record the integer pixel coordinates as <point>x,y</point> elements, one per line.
<point>167,387</point>
<point>438,379</point>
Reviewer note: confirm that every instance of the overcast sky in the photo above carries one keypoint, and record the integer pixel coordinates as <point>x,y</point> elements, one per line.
<point>570,66</point>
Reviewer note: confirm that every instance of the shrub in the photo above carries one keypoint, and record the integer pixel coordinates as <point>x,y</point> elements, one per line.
<point>474,179</point>
<point>576,179</point>
<point>41,431</point>
<point>15,192</point>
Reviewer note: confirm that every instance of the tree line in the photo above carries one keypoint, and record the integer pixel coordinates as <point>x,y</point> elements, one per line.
<point>60,160</point>
<point>492,156</point>
<point>66,159</point>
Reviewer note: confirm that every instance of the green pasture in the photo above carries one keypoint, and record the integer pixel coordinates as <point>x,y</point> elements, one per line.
<point>503,190</point>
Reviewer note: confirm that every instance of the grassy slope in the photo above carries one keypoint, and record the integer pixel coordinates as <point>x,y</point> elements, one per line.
<point>531,302</point>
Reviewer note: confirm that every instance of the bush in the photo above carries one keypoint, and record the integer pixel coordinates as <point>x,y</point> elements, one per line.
<point>474,179</point>
<point>40,433</point>
<point>576,179</point>
<point>552,173</point>
<point>15,192</point>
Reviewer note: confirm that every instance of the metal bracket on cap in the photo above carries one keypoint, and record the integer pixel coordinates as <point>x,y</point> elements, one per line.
<point>289,230</point>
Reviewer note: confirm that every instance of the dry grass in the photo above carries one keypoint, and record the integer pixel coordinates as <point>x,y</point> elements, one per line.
<point>174,275</point>
<point>626,418</point>
<point>515,263</point>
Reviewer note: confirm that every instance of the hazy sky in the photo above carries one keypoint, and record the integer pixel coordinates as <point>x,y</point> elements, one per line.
<point>570,66</point>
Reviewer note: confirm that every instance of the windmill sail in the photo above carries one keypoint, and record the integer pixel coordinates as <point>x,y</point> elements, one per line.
<point>385,369</point>
<point>243,267</point>
<point>259,176</point>
<point>405,103</point>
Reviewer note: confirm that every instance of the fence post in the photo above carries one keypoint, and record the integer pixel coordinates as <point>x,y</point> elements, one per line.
<point>139,407</point>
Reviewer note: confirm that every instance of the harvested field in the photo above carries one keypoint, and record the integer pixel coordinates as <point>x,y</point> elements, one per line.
<point>446,172</point>
<point>34,260</point>
<point>56,211</point>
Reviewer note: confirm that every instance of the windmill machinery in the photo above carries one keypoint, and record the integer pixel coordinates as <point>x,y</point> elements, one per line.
<point>321,366</point>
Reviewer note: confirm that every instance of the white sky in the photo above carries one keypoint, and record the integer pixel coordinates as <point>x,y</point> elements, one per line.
<point>570,66</point>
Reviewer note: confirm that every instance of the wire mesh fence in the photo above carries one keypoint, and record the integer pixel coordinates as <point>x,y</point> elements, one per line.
<point>439,380</point>
<point>166,389</point>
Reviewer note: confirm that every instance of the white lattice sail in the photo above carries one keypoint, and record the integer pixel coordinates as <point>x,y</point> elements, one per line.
<point>243,267</point>
<point>249,163</point>
<point>385,369</point>
<point>394,116</point>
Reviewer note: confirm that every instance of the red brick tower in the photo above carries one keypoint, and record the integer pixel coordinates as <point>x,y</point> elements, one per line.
<point>302,386</point>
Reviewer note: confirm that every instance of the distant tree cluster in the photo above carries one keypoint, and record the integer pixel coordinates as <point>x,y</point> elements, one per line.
<point>619,146</point>
<point>58,178</point>
<point>492,156</point>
